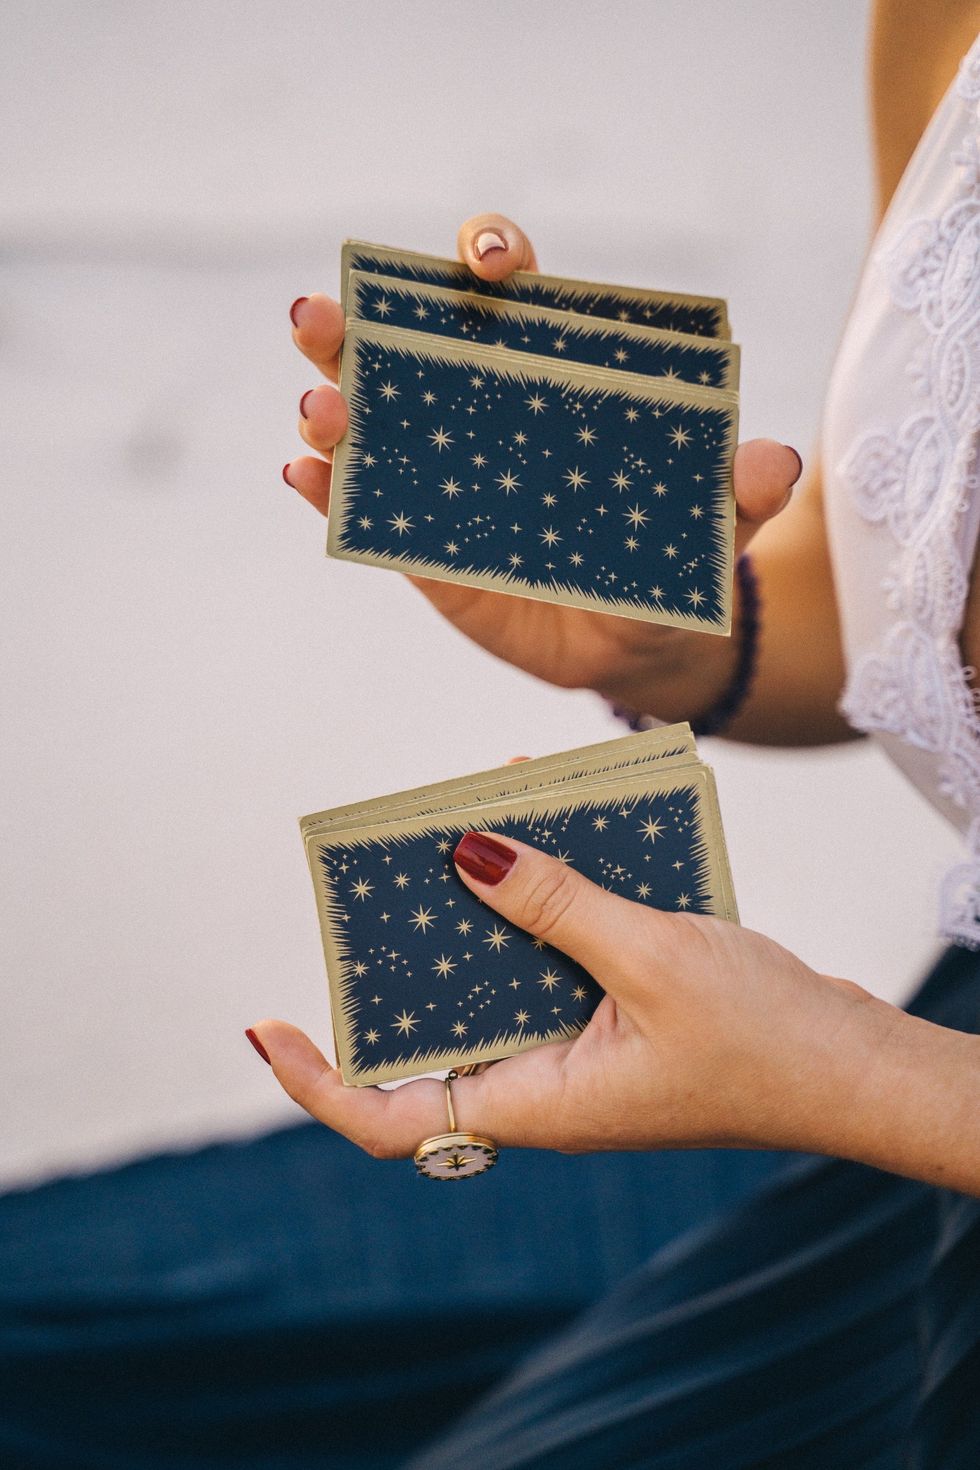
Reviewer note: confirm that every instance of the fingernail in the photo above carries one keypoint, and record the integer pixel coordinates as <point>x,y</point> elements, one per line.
<point>484,858</point>
<point>799,463</point>
<point>285,475</point>
<point>258,1045</point>
<point>302,402</point>
<point>296,314</point>
<point>488,240</point>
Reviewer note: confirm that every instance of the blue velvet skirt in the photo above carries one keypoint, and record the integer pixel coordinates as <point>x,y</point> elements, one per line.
<point>291,1303</point>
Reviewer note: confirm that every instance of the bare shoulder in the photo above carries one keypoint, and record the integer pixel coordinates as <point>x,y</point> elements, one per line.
<point>912,58</point>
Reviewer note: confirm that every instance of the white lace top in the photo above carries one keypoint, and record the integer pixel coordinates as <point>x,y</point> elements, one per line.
<point>900,451</point>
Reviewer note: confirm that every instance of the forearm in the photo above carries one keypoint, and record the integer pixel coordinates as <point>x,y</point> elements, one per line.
<point>902,1094</point>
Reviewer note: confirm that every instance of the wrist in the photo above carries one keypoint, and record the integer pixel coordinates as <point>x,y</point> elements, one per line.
<point>699,678</point>
<point>895,1092</point>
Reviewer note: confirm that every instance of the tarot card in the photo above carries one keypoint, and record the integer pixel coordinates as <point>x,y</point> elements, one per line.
<point>543,331</point>
<point>564,484</point>
<point>423,975</point>
<point>665,742</point>
<point>702,316</point>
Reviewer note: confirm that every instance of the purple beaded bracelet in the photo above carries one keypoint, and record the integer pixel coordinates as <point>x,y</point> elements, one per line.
<point>726,707</point>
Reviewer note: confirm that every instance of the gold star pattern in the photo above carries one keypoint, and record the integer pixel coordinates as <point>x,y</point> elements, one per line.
<point>497,939</point>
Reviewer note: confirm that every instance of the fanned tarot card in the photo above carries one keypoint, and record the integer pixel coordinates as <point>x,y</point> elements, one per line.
<point>513,473</point>
<point>495,321</point>
<point>705,316</point>
<point>423,975</point>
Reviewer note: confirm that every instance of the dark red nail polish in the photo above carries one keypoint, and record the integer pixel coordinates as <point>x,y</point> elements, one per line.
<point>258,1045</point>
<point>302,402</point>
<point>484,858</point>
<point>799,462</point>
<point>292,310</point>
<point>285,475</point>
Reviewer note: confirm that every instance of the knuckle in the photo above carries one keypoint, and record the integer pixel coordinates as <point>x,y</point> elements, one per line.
<point>547,901</point>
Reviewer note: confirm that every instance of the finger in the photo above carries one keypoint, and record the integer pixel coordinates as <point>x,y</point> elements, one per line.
<point>493,246</point>
<point>387,1124</point>
<point>554,902</point>
<point>323,417</point>
<point>311,477</point>
<point>508,1103</point>
<point>318,331</point>
<point>764,473</point>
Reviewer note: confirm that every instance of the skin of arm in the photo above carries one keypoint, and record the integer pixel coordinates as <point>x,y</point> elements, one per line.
<point>710,1034</point>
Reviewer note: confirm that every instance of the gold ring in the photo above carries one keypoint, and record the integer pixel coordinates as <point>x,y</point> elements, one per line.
<point>455,1155</point>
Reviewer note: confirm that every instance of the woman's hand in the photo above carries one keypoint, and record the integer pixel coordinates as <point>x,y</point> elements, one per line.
<point>672,672</point>
<point>708,1035</point>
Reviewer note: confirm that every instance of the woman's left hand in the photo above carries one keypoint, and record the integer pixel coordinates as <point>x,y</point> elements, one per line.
<point>709,1035</point>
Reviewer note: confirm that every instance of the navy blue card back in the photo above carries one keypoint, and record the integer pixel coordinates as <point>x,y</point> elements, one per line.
<point>424,975</point>
<point>517,326</point>
<point>554,482</point>
<point>699,315</point>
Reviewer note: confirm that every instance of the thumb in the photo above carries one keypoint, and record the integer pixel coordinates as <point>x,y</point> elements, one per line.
<point>763,474</point>
<point>493,246</point>
<point>555,903</point>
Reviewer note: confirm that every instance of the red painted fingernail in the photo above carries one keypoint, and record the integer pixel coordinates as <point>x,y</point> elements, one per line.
<point>484,858</point>
<point>302,402</point>
<point>286,476</point>
<point>294,310</point>
<point>258,1045</point>
<point>799,462</point>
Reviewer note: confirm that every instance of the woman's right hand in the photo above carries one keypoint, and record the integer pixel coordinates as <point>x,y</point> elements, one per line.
<point>665,671</point>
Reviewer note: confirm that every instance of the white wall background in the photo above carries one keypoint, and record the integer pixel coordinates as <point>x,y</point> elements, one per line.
<point>184,673</point>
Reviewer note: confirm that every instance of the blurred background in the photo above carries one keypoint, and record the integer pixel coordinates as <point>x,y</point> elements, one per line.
<point>184,673</point>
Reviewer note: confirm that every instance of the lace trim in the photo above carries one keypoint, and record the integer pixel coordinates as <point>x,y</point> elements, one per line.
<point>919,481</point>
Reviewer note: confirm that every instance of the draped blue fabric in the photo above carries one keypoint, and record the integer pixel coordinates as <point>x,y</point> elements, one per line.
<point>291,1303</point>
